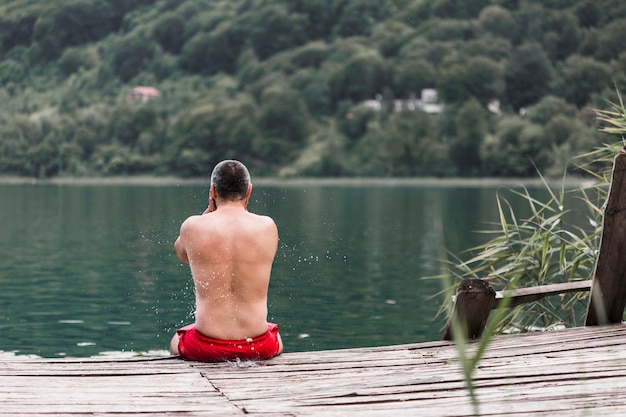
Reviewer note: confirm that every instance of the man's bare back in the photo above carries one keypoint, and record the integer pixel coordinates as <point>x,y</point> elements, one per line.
<point>230,252</point>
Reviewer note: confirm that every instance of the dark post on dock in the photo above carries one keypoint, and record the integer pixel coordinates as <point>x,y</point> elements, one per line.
<point>475,298</point>
<point>608,294</point>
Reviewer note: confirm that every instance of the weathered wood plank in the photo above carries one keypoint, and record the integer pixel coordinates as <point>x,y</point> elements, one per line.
<point>475,298</point>
<point>608,295</point>
<point>41,387</point>
<point>564,373</point>
<point>528,295</point>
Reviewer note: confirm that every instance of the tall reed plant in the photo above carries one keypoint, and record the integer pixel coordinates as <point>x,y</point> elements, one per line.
<point>537,250</point>
<point>543,247</point>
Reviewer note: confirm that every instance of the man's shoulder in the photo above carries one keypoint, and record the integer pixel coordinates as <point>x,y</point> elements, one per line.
<point>191,221</point>
<point>264,219</point>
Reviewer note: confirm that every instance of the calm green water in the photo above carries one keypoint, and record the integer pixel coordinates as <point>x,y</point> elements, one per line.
<point>87,270</point>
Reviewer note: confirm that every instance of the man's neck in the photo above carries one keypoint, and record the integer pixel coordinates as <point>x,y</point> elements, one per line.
<point>230,205</point>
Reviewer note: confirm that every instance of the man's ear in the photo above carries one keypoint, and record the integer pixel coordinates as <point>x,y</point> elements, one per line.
<point>249,191</point>
<point>212,192</point>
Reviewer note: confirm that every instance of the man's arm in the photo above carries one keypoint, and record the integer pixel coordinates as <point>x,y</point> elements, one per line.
<point>179,247</point>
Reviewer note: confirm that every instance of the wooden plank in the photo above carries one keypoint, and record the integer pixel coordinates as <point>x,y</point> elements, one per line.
<point>475,299</point>
<point>57,387</point>
<point>608,295</point>
<point>527,295</point>
<point>404,389</point>
<point>570,372</point>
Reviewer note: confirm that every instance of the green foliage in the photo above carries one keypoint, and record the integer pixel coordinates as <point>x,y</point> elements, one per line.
<point>358,16</point>
<point>414,75</point>
<point>273,29</point>
<point>72,23</point>
<point>11,71</point>
<point>131,55</point>
<point>210,53</point>
<point>580,77</point>
<point>360,78</point>
<point>610,40</point>
<point>528,76</point>
<point>272,81</point>
<point>538,250</point>
<point>72,60</point>
<point>169,32</point>
<point>499,22</point>
<point>543,247</point>
<point>283,115</point>
<point>464,148</point>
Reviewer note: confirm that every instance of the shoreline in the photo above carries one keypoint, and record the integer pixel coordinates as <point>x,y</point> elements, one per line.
<point>577,182</point>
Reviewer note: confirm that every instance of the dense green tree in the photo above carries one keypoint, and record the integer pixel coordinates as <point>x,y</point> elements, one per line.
<point>452,81</point>
<point>358,16</point>
<point>272,81</point>
<point>579,77</point>
<point>498,49</point>
<point>131,55</point>
<point>421,48</point>
<point>458,9</point>
<point>369,155</point>
<point>283,115</point>
<point>71,60</point>
<point>273,29</point>
<point>169,32</point>
<point>72,23</point>
<point>360,78</point>
<point>484,79</point>
<point>314,90</point>
<point>128,122</point>
<point>416,12</point>
<point>17,29</point>
<point>471,128</point>
<point>121,9</point>
<point>611,40</point>
<point>201,17</point>
<point>407,146</point>
<point>321,16</point>
<point>193,149</point>
<point>390,36</point>
<point>528,76</point>
<point>210,53</point>
<point>508,4</point>
<point>549,107</point>
<point>412,76</point>
<point>447,30</point>
<point>11,71</point>
<point>354,122</point>
<point>499,22</point>
<point>516,149</point>
<point>589,13</point>
<point>556,31</point>
<point>312,54</point>
<point>237,127</point>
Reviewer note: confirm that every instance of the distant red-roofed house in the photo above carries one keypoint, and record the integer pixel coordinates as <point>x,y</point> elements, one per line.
<point>143,93</point>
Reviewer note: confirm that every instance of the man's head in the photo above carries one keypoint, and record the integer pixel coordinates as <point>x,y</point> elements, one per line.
<point>231,180</point>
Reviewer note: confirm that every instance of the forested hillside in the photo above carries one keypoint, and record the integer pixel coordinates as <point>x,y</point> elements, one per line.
<point>305,87</point>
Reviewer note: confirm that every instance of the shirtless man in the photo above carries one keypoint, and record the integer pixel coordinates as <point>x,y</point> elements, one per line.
<point>230,252</point>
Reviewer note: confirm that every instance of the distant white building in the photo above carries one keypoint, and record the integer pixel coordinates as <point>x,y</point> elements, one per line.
<point>427,102</point>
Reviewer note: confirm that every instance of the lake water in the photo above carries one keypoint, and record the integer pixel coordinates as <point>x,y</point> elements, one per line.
<point>90,269</point>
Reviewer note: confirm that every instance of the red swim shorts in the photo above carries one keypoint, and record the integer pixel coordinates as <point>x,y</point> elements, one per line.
<point>195,346</point>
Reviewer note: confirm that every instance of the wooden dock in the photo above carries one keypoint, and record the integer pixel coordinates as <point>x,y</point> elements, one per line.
<point>573,372</point>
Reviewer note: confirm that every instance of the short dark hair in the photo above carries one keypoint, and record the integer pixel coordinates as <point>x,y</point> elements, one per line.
<point>231,180</point>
